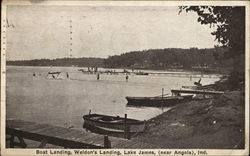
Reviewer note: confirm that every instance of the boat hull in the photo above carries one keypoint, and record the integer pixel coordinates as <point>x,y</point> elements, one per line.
<point>158,101</point>
<point>107,131</point>
<point>113,123</point>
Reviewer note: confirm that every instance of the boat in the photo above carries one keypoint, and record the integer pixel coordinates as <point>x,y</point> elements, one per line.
<point>105,124</point>
<point>54,73</point>
<point>166,101</point>
<point>141,73</point>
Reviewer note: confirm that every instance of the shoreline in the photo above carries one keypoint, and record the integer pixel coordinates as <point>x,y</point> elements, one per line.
<point>203,71</point>
<point>217,123</point>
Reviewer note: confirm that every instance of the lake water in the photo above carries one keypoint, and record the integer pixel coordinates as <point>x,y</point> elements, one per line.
<point>63,102</point>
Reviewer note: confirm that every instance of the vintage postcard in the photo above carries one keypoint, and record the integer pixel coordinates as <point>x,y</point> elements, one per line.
<point>124,78</point>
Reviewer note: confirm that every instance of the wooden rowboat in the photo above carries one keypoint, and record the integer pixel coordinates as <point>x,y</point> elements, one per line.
<point>158,101</point>
<point>113,124</point>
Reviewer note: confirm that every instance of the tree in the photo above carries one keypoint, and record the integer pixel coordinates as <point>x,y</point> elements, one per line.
<point>230,32</point>
<point>230,23</point>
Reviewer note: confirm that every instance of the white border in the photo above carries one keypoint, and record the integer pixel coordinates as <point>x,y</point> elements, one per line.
<point>27,152</point>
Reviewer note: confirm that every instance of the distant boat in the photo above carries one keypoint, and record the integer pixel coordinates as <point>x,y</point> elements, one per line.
<point>141,73</point>
<point>158,101</point>
<point>111,124</point>
<point>54,73</point>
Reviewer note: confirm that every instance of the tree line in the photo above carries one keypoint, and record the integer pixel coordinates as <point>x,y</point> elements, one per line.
<point>167,58</point>
<point>81,62</point>
<point>146,59</point>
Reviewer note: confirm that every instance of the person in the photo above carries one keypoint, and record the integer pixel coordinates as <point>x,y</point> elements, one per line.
<point>126,77</point>
<point>67,74</point>
<point>98,76</point>
<point>34,74</point>
<point>190,77</point>
<point>198,83</point>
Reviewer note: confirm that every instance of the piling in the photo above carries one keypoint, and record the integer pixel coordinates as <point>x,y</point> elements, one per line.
<point>107,142</point>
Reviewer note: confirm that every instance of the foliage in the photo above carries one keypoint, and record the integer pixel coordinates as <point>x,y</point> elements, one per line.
<point>230,23</point>
<point>166,58</point>
<point>230,32</point>
<point>148,59</point>
<point>81,62</point>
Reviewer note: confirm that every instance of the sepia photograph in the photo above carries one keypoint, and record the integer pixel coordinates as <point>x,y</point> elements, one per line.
<point>124,78</point>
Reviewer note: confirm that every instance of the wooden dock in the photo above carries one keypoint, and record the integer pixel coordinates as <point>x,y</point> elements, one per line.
<point>169,74</point>
<point>179,91</point>
<point>64,137</point>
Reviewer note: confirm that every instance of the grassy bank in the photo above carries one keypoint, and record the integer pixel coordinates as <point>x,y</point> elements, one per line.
<point>212,124</point>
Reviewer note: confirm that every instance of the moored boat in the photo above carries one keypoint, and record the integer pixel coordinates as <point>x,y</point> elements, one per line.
<point>158,101</point>
<point>141,73</point>
<point>112,124</point>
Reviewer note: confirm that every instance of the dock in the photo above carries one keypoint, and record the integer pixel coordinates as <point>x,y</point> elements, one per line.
<point>204,92</point>
<point>169,74</point>
<point>64,137</point>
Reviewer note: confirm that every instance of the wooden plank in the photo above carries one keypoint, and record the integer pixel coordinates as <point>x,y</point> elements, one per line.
<point>50,131</point>
<point>71,134</point>
<point>98,141</point>
<point>68,137</point>
<point>77,136</point>
<point>81,137</point>
<point>196,91</point>
<point>89,140</point>
<point>116,141</point>
<point>60,132</point>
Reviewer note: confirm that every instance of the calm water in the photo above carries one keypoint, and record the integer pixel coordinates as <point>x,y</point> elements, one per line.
<point>63,102</point>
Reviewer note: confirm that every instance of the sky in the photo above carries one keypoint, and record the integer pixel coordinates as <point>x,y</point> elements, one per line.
<point>37,32</point>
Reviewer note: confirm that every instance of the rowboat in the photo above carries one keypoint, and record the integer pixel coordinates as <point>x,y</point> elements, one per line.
<point>158,101</point>
<point>112,124</point>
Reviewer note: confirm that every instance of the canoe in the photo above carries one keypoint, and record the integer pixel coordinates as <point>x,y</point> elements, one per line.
<point>112,123</point>
<point>158,101</point>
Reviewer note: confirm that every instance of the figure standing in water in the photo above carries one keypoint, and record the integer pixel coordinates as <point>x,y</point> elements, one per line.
<point>98,76</point>
<point>34,74</point>
<point>67,74</point>
<point>126,77</point>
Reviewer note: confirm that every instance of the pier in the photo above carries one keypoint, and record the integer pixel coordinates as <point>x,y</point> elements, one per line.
<point>64,137</point>
<point>179,91</point>
<point>169,74</point>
